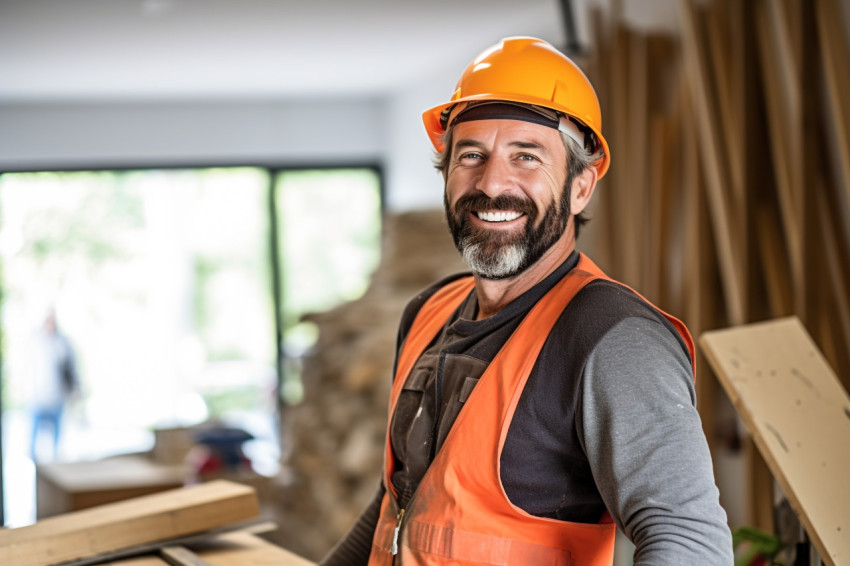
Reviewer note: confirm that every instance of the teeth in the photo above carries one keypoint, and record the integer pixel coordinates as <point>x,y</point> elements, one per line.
<point>499,216</point>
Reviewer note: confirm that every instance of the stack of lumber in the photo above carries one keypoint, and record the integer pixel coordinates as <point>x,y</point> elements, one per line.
<point>728,197</point>
<point>154,527</point>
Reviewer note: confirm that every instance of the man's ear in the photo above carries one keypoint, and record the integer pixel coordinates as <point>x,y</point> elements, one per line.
<point>581,191</point>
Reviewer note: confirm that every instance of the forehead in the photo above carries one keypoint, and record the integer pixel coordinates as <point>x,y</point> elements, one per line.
<point>508,132</point>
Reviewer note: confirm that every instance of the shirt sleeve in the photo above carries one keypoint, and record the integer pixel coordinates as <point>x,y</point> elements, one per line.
<point>638,424</point>
<point>356,546</point>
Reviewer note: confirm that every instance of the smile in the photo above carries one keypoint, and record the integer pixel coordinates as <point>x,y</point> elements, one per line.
<point>498,215</point>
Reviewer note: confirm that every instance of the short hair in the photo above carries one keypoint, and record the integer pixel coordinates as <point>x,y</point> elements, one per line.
<point>578,159</point>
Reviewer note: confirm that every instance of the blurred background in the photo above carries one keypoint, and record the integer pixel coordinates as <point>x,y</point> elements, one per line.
<point>222,207</point>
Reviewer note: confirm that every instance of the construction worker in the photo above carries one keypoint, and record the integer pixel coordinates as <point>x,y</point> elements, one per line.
<point>537,405</point>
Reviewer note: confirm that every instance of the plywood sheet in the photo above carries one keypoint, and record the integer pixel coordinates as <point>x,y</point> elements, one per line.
<point>115,526</point>
<point>799,417</point>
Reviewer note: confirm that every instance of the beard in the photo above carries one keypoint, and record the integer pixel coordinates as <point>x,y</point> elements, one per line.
<point>494,254</point>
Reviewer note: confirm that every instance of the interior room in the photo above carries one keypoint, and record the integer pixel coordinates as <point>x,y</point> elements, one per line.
<point>220,210</point>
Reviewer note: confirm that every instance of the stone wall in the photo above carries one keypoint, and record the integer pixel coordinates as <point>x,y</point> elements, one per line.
<point>337,432</point>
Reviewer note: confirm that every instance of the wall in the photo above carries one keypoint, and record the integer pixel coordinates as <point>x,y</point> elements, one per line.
<point>92,134</point>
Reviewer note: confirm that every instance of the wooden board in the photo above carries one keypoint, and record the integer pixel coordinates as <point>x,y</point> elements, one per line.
<point>233,549</point>
<point>799,417</point>
<point>129,523</point>
<point>71,486</point>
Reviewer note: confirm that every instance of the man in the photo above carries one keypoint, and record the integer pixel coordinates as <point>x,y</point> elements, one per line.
<point>53,381</point>
<point>537,405</point>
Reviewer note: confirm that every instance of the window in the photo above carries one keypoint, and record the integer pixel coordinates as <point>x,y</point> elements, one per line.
<point>173,286</point>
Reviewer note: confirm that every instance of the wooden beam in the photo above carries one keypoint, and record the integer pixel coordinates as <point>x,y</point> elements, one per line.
<point>799,418</point>
<point>727,81</point>
<point>602,206</point>
<point>664,200</point>
<point>125,524</point>
<point>620,86</point>
<point>635,238</point>
<point>835,60</point>
<point>774,265</point>
<point>716,170</point>
<point>836,270</point>
<point>784,114</point>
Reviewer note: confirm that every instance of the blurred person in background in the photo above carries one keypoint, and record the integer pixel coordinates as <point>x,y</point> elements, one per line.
<point>53,382</point>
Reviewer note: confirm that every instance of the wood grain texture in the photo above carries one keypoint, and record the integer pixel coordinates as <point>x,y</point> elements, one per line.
<point>129,523</point>
<point>715,165</point>
<point>798,415</point>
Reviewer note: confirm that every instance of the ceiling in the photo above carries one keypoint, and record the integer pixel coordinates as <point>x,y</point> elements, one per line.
<point>60,50</point>
<point>167,49</point>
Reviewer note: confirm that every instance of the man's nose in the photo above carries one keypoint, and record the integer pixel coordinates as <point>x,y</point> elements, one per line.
<point>495,177</point>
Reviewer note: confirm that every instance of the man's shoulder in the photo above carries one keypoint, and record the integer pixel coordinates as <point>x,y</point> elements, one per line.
<point>602,304</point>
<point>608,298</point>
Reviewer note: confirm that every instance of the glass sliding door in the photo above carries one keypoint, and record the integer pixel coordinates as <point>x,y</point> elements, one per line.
<point>329,237</point>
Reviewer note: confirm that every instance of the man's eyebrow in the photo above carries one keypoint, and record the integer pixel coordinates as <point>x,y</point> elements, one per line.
<point>470,142</point>
<point>529,145</point>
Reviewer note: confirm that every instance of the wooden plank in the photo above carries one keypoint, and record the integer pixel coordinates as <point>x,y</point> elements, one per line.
<point>709,122</point>
<point>724,65</point>
<point>784,114</point>
<point>234,549</point>
<point>129,523</point>
<point>664,209</point>
<point>836,269</point>
<point>255,527</point>
<point>836,61</point>
<point>659,211</point>
<point>635,238</point>
<point>774,265</point>
<point>602,208</point>
<point>181,556</point>
<point>799,418</point>
<point>618,190</point>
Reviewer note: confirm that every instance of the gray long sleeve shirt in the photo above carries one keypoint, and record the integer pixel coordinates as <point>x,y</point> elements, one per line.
<point>640,429</point>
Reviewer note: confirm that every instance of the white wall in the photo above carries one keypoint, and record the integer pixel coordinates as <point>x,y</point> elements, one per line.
<point>45,135</point>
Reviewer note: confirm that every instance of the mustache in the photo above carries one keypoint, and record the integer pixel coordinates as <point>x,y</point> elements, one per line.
<point>473,202</point>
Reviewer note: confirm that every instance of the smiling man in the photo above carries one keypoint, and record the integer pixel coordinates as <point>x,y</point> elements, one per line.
<point>537,405</point>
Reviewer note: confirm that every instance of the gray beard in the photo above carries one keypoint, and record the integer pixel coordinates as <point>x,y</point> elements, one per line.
<point>494,256</point>
<point>502,263</point>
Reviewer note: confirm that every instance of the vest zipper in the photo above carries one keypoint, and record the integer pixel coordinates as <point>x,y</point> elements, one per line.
<point>394,549</point>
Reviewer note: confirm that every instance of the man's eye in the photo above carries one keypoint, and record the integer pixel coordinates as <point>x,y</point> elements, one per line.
<point>528,157</point>
<point>470,156</point>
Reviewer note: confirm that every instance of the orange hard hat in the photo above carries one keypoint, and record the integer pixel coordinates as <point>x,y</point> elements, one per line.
<point>523,70</point>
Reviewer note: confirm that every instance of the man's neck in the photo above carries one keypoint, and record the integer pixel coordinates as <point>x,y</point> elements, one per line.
<point>496,294</point>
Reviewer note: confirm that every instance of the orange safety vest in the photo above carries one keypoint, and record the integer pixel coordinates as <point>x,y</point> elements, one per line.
<point>460,514</point>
